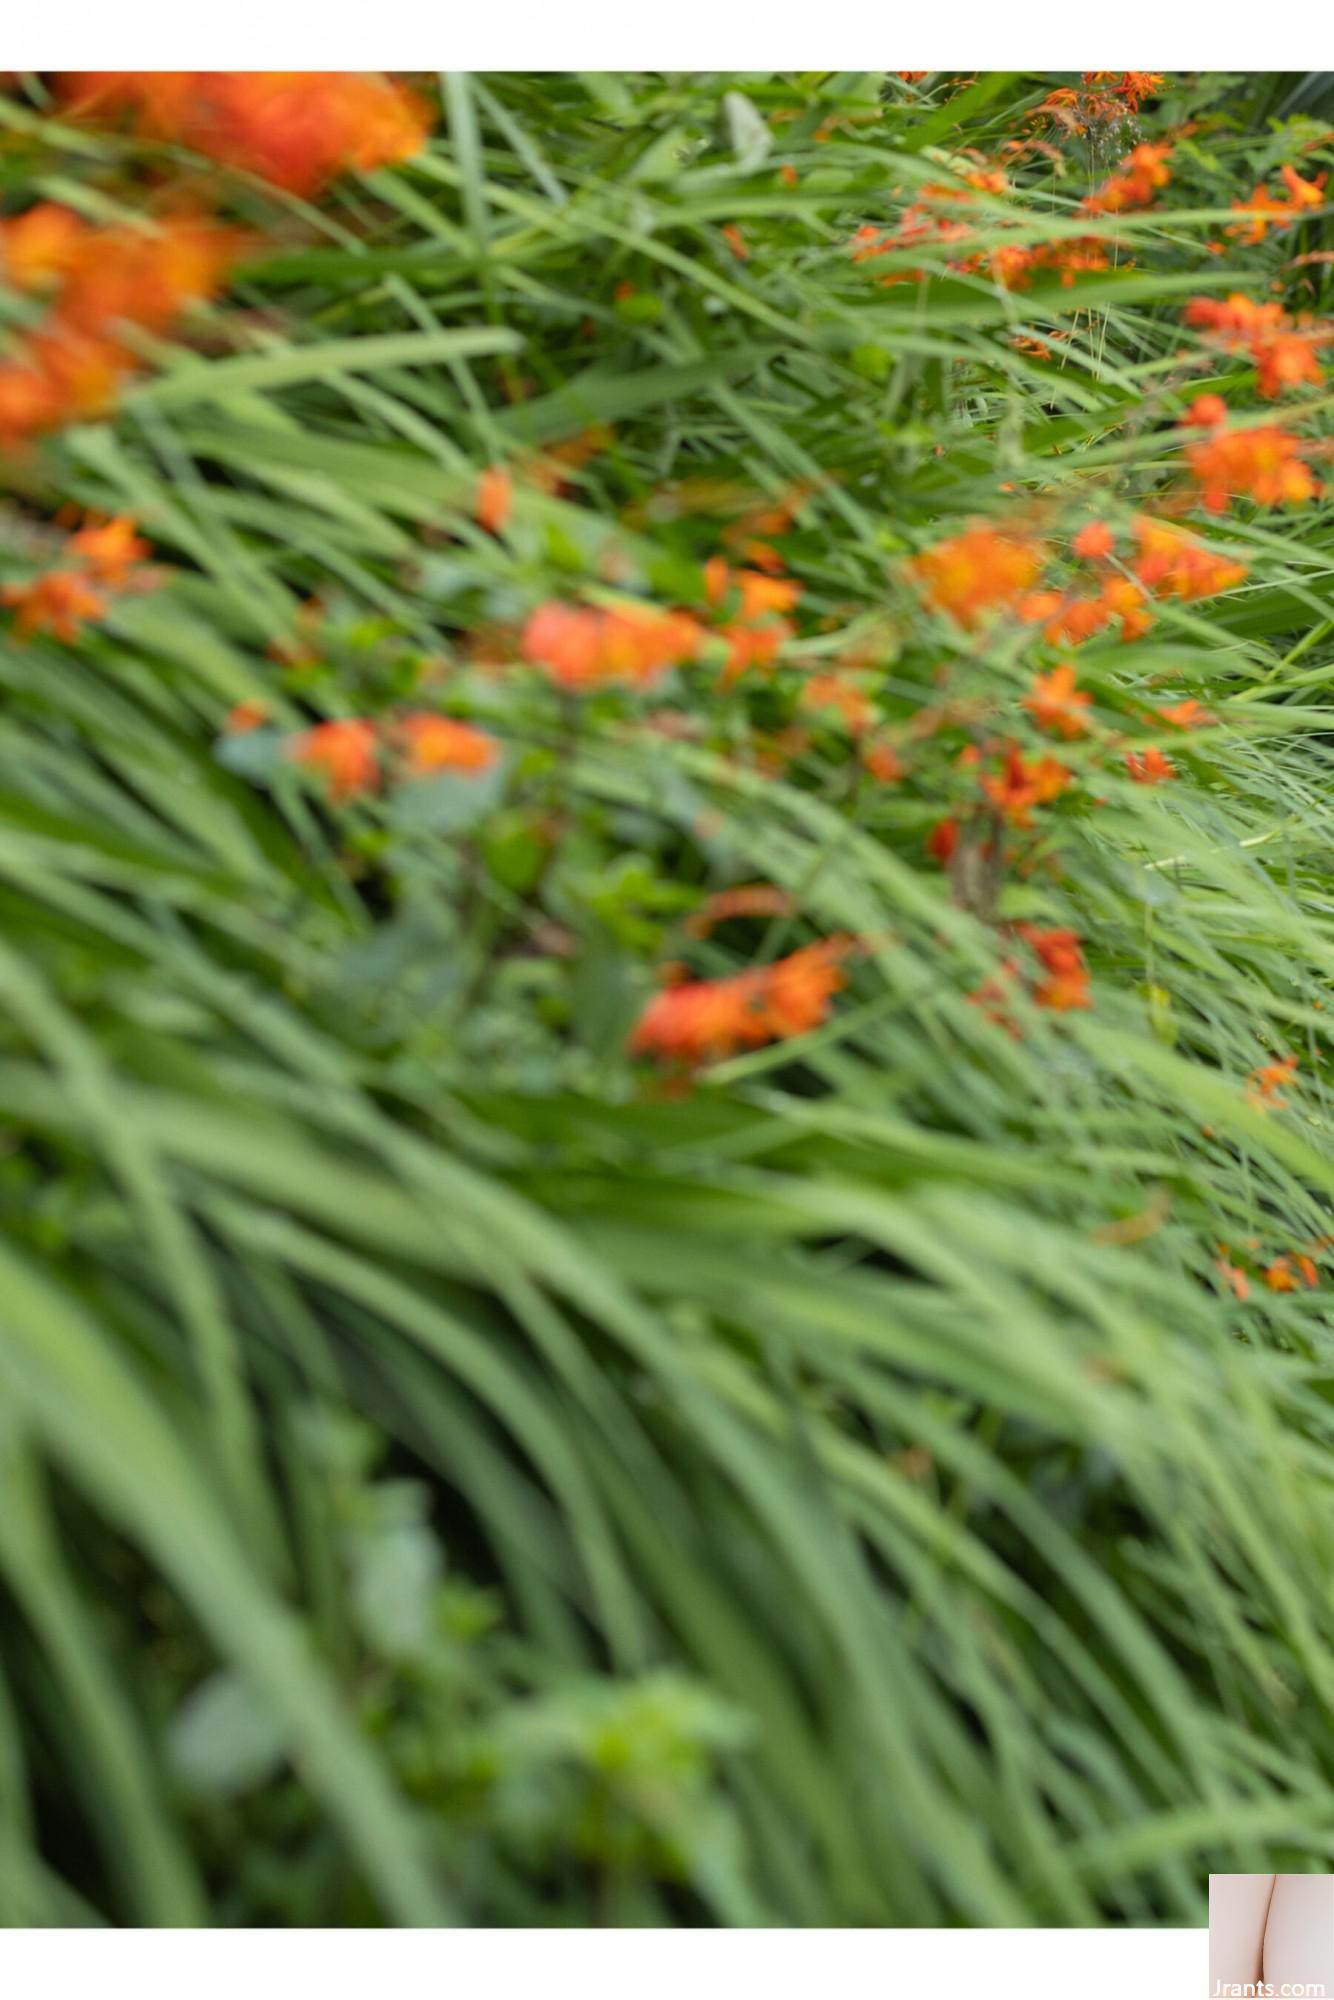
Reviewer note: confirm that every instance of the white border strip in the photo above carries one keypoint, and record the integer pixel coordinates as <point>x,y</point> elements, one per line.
<point>609,1965</point>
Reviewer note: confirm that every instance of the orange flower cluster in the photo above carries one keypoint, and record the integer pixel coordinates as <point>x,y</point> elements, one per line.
<point>1056,705</point>
<point>1094,541</point>
<point>986,569</point>
<point>1188,715</point>
<point>580,647</point>
<point>919,228</point>
<point>1070,619</point>
<point>1063,985</point>
<point>1283,1274</point>
<point>296,128</point>
<point>704,1019</point>
<point>1131,86</point>
<point>1283,354</point>
<point>101,558</point>
<point>1107,95</point>
<point>942,843</point>
<point>1066,982</point>
<point>98,284</point>
<point>346,753</point>
<point>1265,1085</point>
<point>1265,211</point>
<point>1135,183</point>
<point>1015,265</point>
<point>1150,767</point>
<point>1232,1274</point>
<point>1023,783</point>
<point>839,698</point>
<point>933,220</point>
<point>434,743</point>
<point>1263,462</point>
<point>979,571</point>
<point>760,627</point>
<point>1174,565</point>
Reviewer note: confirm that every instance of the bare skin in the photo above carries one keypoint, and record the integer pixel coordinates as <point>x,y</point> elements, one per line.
<point>1238,1911</point>
<point>1275,1928</point>
<point>1299,1933</point>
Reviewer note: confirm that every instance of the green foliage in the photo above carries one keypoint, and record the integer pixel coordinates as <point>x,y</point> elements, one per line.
<point>454,1472</point>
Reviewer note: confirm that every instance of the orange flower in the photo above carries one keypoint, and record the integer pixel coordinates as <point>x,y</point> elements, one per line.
<point>157,100</point>
<point>747,899</point>
<point>83,370</point>
<point>1188,715</point>
<point>60,603</point>
<point>1066,985</point>
<point>1070,621</point>
<point>343,753</point>
<point>146,276</point>
<point>1265,1085</point>
<point>716,579</point>
<point>708,1018</point>
<point>1078,619</point>
<point>1237,318</point>
<point>1135,85</point>
<point>761,594</point>
<point>735,241</point>
<point>980,570</point>
<point>1206,412</point>
<point>1233,1276</point>
<point>110,548</point>
<point>1263,462</point>
<point>296,128</point>
<point>1303,194</point>
<point>1150,767</point>
<point>995,995</point>
<point>29,402</point>
<point>1056,705</point>
<point>1285,362</point>
<point>42,246</point>
<point>836,695</point>
<point>245,716</point>
<point>1135,183</point>
<point>1266,211</point>
<point>883,762</point>
<point>495,499</point>
<point>943,840</point>
<point>580,647</point>
<point>1172,564</point>
<point>1124,599</point>
<point>920,227</point>
<point>751,646</point>
<point>1035,607</point>
<point>1094,540</point>
<point>105,280</point>
<point>433,743</point>
<point>1015,265</point>
<point>1279,1276</point>
<point>1023,785</point>
<point>1283,355</point>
